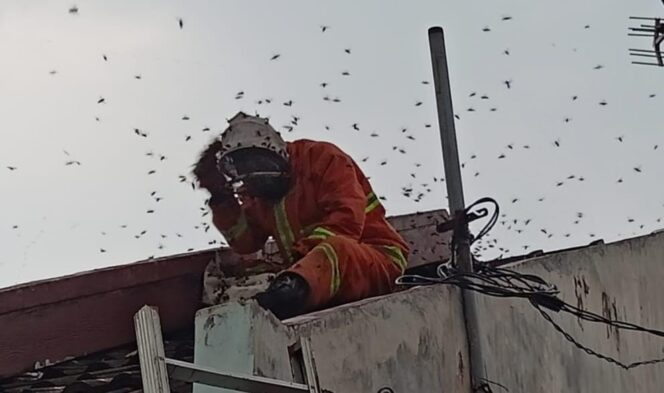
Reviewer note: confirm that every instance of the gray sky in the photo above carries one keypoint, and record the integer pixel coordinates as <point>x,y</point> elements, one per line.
<point>67,214</point>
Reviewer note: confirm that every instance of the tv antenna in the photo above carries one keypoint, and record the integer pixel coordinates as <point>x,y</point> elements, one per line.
<point>653,30</point>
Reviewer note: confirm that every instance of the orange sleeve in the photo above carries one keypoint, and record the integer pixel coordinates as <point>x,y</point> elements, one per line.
<point>341,198</point>
<point>231,221</point>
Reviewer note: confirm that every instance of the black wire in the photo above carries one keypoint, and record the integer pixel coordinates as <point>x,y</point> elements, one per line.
<point>502,282</point>
<point>492,221</point>
<point>592,317</point>
<point>486,386</point>
<point>487,227</point>
<point>589,351</point>
<point>483,387</point>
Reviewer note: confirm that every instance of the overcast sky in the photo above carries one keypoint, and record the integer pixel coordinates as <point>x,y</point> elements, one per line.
<point>56,219</point>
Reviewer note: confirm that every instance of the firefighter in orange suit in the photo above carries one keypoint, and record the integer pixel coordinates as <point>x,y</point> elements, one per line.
<point>314,200</point>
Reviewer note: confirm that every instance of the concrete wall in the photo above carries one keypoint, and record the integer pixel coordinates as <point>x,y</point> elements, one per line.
<point>411,341</point>
<point>241,338</point>
<point>623,280</point>
<point>414,341</point>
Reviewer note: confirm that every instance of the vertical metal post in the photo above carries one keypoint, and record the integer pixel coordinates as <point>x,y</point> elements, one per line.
<point>657,39</point>
<point>455,193</point>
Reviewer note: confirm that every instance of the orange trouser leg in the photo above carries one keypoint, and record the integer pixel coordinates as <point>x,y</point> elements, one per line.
<point>341,270</point>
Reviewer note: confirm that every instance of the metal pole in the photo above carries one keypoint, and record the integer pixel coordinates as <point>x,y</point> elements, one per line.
<point>642,63</point>
<point>644,55</point>
<point>455,195</point>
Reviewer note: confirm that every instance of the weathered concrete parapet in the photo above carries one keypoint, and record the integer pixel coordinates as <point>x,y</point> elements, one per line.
<point>412,341</point>
<point>622,280</point>
<point>242,338</point>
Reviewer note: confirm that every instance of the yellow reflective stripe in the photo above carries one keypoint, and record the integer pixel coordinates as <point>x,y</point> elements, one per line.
<point>372,202</point>
<point>283,228</point>
<point>323,231</point>
<point>238,229</point>
<point>331,255</point>
<point>397,256</point>
<point>320,233</point>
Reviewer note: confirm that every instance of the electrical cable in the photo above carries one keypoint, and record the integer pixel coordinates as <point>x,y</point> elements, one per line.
<point>492,221</point>
<point>485,386</point>
<point>506,283</point>
<point>591,352</point>
<point>461,220</point>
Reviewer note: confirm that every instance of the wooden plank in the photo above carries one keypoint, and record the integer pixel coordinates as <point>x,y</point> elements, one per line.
<point>194,373</point>
<point>309,365</point>
<point>54,332</point>
<point>24,296</point>
<point>151,354</point>
<point>419,220</point>
<point>419,231</point>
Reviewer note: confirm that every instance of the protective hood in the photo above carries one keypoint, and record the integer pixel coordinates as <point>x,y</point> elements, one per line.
<point>245,131</point>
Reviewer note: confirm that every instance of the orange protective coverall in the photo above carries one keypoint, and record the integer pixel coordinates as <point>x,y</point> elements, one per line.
<point>331,228</point>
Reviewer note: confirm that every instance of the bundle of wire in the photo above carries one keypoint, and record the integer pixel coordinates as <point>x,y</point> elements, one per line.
<point>503,282</point>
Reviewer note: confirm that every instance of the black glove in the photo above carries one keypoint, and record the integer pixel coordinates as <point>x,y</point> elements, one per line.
<point>286,296</point>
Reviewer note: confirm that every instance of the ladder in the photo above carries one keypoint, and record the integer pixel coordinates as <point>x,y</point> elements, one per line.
<point>156,367</point>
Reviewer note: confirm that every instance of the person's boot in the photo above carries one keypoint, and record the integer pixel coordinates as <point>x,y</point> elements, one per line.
<point>286,296</point>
